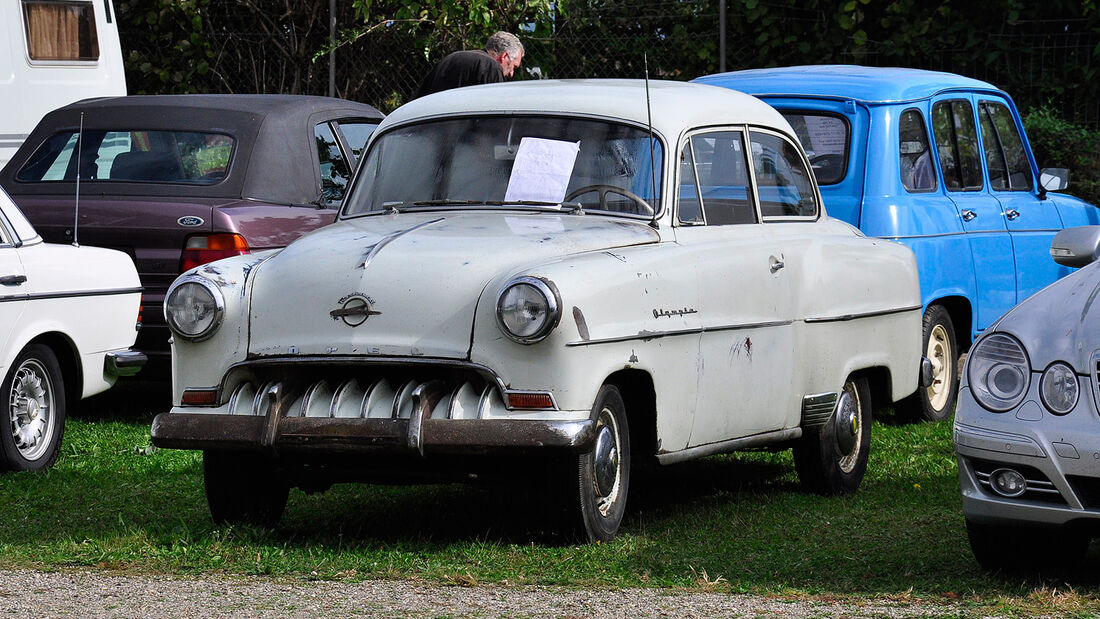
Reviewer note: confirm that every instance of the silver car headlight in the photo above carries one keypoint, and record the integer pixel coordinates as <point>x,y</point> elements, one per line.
<point>527,309</point>
<point>194,308</point>
<point>999,372</point>
<point>1059,389</point>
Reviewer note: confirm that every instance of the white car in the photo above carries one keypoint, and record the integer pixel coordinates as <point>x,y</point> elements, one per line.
<point>68,316</point>
<point>528,270</point>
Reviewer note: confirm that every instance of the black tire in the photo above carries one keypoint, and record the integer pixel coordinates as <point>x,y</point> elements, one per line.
<point>32,405</point>
<point>602,475</point>
<point>243,488</point>
<point>833,459</point>
<point>937,401</point>
<point>1026,549</point>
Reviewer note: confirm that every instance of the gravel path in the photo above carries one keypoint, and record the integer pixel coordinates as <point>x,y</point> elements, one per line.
<point>25,593</point>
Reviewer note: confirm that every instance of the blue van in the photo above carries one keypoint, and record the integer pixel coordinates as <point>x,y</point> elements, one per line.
<point>940,163</point>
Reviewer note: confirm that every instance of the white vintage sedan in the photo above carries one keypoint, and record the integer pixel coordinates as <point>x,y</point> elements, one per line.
<point>588,273</point>
<point>67,319</point>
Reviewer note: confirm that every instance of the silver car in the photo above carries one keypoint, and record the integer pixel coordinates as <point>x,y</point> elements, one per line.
<point>1027,433</point>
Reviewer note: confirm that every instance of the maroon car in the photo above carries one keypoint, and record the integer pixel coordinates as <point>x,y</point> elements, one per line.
<point>180,180</point>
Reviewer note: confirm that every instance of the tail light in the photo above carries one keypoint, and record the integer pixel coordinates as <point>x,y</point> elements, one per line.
<point>203,248</point>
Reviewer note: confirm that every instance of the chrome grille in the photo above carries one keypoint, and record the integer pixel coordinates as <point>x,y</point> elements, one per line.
<point>816,409</point>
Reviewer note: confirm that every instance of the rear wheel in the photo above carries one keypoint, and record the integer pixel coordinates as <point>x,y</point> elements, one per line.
<point>602,475</point>
<point>243,488</point>
<point>33,406</point>
<point>936,401</point>
<point>833,458</point>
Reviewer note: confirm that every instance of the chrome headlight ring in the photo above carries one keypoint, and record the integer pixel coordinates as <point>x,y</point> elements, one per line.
<point>999,372</point>
<point>528,309</point>
<point>1059,388</point>
<point>194,308</point>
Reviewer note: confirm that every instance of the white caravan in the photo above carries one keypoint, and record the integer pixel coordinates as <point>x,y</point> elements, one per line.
<point>52,53</point>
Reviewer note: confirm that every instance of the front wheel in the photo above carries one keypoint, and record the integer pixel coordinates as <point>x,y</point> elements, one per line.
<point>936,401</point>
<point>33,405</point>
<point>603,474</point>
<point>833,458</point>
<point>243,488</point>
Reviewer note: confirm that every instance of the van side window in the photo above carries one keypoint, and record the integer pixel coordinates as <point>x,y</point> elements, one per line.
<point>957,145</point>
<point>782,180</point>
<point>60,30</point>
<point>1009,169</point>
<point>917,173</point>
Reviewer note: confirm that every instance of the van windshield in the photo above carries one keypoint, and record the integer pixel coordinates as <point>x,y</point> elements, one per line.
<point>123,155</point>
<point>511,161</point>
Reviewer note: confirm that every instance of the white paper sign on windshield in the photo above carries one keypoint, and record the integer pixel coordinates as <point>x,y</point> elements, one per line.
<point>541,171</point>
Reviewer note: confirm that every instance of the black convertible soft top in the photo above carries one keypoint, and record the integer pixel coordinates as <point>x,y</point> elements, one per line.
<point>275,158</point>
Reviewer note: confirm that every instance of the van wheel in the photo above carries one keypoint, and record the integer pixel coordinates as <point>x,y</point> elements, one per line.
<point>602,475</point>
<point>937,401</point>
<point>243,488</point>
<point>833,459</point>
<point>32,404</point>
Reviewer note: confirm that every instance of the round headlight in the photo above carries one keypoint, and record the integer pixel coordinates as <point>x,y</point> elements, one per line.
<point>194,308</point>
<point>1059,388</point>
<point>999,372</point>
<point>527,309</point>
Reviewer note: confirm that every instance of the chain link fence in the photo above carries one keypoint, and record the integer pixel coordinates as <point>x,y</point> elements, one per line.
<point>1040,63</point>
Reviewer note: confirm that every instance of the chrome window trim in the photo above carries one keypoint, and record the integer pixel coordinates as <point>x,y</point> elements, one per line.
<point>806,167</point>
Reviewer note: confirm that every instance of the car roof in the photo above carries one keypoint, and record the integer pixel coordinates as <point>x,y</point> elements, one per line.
<point>273,157</point>
<point>675,106</point>
<point>866,84</point>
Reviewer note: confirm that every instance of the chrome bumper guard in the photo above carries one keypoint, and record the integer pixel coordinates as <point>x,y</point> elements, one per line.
<point>123,363</point>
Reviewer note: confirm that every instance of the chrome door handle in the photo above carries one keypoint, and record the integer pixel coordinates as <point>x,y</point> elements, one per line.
<point>12,280</point>
<point>968,214</point>
<point>778,264</point>
<point>1012,213</point>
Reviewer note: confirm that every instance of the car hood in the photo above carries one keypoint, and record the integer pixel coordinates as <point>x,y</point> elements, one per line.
<point>1060,322</point>
<point>408,284</point>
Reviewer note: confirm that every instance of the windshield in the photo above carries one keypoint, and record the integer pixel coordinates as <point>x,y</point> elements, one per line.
<point>508,161</point>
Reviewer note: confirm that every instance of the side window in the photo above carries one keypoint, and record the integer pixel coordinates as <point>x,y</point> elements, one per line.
<point>957,145</point>
<point>62,30</point>
<point>714,180</point>
<point>1009,168</point>
<point>335,171</point>
<point>782,180</point>
<point>915,157</point>
<point>356,134</point>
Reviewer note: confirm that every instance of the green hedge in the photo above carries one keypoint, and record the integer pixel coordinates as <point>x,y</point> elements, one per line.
<point>1057,143</point>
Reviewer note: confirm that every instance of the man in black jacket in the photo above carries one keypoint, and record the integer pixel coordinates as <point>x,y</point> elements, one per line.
<point>501,57</point>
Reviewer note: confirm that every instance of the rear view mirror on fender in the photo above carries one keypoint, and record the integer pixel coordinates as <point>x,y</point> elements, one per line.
<point>1076,247</point>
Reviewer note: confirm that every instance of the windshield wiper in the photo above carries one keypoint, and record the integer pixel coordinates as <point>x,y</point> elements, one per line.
<point>397,206</point>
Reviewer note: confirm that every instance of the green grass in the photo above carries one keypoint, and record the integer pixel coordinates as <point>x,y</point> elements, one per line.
<point>733,523</point>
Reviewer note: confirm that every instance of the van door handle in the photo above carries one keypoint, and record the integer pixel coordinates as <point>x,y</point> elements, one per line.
<point>776,265</point>
<point>968,214</point>
<point>1012,213</point>
<point>13,280</point>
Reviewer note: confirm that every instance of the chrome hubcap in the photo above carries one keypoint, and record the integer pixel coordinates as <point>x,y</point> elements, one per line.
<point>30,403</point>
<point>939,353</point>
<point>849,428</point>
<point>606,456</point>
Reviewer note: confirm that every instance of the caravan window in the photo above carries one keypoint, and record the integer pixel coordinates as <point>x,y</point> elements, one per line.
<point>62,30</point>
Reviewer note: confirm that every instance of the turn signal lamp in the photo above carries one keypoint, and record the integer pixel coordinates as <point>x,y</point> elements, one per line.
<point>530,400</point>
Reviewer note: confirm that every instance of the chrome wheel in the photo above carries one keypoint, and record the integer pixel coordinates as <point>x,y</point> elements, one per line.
<point>849,427</point>
<point>607,464</point>
<point>939,353</point>
<point>31,405</point>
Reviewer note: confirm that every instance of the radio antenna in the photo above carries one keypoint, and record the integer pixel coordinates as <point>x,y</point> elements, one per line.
<point>652,156</point>
<point>79,164</point>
